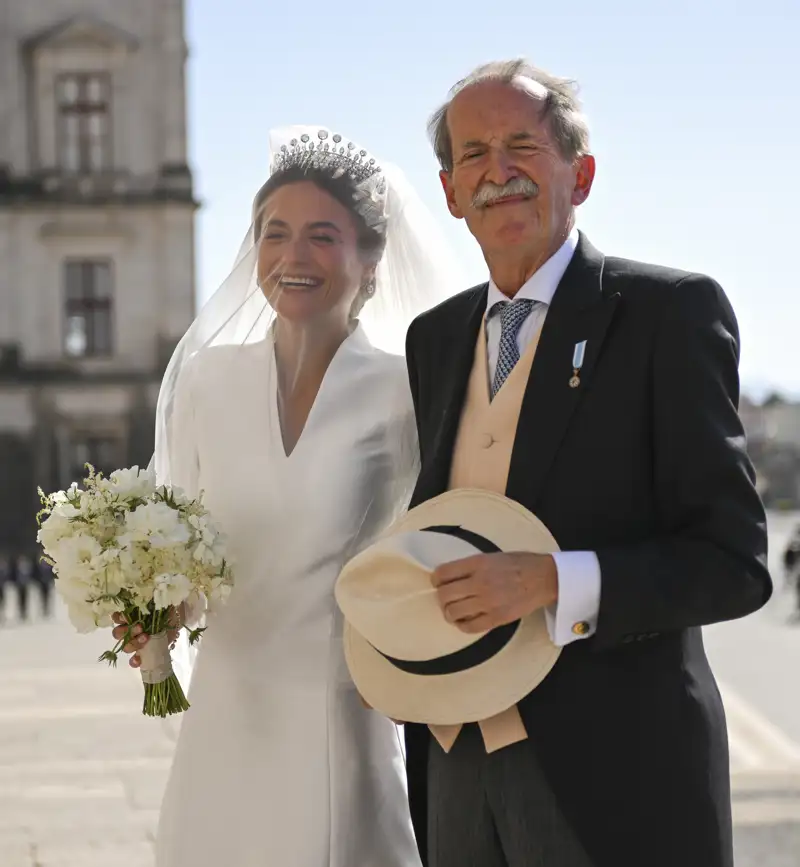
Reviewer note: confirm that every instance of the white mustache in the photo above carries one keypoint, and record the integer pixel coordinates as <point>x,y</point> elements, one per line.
<point>489,192</point>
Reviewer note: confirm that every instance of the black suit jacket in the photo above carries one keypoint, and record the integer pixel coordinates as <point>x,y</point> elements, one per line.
<point>645,464</point>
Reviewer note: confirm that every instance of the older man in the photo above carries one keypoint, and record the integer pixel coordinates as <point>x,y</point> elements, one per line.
<point>620,431</point>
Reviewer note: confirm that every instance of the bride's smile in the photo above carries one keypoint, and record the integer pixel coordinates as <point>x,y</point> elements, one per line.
<point>300,283</point>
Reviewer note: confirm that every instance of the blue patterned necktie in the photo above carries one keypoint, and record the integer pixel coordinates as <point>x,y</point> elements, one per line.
<point>512,316</point>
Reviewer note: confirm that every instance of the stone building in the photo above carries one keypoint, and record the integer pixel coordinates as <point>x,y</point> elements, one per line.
<point>96,238</point>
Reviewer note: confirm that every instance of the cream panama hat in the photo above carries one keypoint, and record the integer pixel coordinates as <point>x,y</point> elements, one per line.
<point>405,659</point>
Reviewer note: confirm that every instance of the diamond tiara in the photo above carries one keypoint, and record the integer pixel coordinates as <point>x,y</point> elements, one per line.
<point>327,155</point>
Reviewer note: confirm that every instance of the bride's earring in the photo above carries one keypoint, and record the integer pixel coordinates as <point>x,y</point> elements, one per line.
<point>369,289</point>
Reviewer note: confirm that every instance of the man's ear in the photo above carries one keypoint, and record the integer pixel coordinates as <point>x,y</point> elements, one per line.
<point>584,179</point>
<point>446,179</point>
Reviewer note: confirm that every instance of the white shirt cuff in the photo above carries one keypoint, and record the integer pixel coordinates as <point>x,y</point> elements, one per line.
<point>574,616</point>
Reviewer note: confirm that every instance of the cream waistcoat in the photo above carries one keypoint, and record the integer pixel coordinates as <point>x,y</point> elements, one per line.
<point>481,459</point>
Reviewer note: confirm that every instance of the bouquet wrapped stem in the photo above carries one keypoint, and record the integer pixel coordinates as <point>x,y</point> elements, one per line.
<point>163,693</point>
<point>128,550</point>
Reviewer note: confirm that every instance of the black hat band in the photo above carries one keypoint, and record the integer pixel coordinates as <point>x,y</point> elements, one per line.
<point>475,654</point>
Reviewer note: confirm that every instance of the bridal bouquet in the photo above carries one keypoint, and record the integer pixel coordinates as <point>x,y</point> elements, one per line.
<point>123,544</point>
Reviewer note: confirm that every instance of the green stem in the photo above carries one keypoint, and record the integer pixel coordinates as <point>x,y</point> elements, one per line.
<point>165,698</point>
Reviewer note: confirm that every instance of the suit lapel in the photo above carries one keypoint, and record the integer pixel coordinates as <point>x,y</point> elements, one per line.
<point>580,311</point>
<point>462,334</point>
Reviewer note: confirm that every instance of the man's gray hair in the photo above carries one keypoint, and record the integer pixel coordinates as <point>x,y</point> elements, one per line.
<point>561,106</point>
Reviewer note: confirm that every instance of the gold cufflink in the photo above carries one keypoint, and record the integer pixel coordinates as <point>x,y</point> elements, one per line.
<point>581,628</point>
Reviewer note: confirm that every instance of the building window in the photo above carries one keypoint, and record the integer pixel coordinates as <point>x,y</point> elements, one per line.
<point>84,122</point>
<point>88,308</point>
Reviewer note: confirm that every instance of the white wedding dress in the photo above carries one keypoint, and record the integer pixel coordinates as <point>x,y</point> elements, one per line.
<point>278,764</point>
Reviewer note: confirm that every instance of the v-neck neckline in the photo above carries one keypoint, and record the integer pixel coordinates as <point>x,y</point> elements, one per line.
<point>355,336</point>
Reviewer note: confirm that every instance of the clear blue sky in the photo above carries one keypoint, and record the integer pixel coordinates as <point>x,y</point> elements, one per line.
<point>693,107</point>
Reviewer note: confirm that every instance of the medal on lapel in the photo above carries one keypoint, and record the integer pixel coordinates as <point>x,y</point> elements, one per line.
<point>577,363</point>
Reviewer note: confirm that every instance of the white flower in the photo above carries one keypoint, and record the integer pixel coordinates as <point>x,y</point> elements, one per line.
<point>132,484</point>
<point>104,608</point>
<point>63,496</point>
<point>130,565</point>
<point>82,617</point>
<point>156,523</point>
<point>182,499</point>
<point>179,495</point>
<point>180,558</point>
<point>57,525</point>
<point>77,555</point>
<point>207,555</point>
<point>171,590</point>
<point>75,589</point>
<point>113,574</point>
<point>87,503</point>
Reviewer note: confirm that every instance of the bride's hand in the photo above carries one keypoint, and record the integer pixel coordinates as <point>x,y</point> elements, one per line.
<point>138,638</point>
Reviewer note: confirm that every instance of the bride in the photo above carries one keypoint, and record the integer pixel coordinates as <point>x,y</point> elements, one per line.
<point>280,406</point>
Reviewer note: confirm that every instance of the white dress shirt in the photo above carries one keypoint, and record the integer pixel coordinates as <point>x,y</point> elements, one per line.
<point>575,614</point>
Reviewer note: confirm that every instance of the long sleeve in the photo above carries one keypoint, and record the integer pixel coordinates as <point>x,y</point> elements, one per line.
<point>404,445</point>
<point>709,561</point>
<point>184,461</point>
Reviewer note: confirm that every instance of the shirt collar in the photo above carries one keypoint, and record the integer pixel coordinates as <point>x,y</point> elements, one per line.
<point>544,282</point>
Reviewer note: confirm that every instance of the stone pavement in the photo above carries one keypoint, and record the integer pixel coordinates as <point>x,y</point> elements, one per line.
<point>765,775</point>
<point>767,820</point>
<point>758,657</point>
<point>82,772</point>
